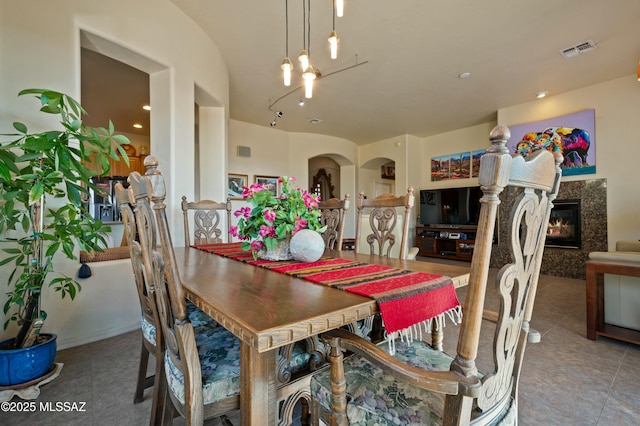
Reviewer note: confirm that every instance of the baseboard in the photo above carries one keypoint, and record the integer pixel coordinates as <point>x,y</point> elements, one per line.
<point>94,337</point>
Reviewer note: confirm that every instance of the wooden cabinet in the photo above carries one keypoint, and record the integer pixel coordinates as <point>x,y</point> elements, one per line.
<point>446,242</point>
<point>120,168</point>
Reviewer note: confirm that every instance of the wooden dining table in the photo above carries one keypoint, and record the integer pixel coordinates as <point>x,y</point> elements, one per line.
<point>267,310</point>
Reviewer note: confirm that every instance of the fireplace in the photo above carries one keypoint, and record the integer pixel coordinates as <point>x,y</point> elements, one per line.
<point>563,230</point>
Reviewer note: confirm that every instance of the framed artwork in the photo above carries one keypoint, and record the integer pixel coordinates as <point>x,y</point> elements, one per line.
<point>440,168</point>
<point>475,162</point>
<point>235,183</point>
<point>459,165</point>
<point>270,182</point>
<point>572,134</point>
<point>388,172</point>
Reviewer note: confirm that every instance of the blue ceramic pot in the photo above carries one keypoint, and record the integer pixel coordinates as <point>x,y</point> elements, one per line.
<point>22,365</point>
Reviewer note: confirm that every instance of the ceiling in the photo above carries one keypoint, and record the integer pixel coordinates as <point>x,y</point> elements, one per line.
<point>410,54</point>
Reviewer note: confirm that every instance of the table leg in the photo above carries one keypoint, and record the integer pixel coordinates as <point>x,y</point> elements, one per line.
<point>257,386</point>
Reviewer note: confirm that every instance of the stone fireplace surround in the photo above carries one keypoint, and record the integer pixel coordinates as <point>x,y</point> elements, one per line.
<point>558,261</point>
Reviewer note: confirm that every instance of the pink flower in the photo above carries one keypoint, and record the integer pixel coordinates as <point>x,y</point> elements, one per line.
<point>256,245</point>
<point>309,200</point>
<point>244,211</point>
<point>266,231</point>
<point>300,224</point>
<point>233,230</point>
<point>269,215</point>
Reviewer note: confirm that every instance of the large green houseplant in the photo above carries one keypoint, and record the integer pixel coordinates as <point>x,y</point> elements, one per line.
<point>49,166</point>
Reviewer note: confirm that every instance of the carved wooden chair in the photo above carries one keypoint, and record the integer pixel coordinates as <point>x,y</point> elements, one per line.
<point>421,385</point>
<point>333,216</point>
<point>384,222</point>
<point>201,367</point>
<point>151,338</point>
<point>206,219</point>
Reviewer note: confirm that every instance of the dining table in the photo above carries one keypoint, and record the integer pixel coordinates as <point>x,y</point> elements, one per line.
<point>267,310</point>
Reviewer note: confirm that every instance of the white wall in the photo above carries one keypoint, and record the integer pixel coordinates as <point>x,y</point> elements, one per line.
<point>277,153</point>
<point>40,47</point>
<point>617,106</point>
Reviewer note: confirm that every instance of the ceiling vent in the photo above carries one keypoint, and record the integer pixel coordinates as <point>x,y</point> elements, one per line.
<point>572,51</point>
<point>315,121</point>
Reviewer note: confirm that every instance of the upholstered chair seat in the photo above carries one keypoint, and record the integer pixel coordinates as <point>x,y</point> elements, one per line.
<point>219,354</point>
<point>198,319</point>
<point>376,398</point>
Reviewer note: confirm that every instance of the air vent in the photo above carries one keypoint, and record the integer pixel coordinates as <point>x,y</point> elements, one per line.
<point>315,121</point>
<point>572,51</point>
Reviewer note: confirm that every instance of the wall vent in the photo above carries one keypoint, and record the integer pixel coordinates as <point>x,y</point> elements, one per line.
<point>244,151</point>
<point>579,48</point>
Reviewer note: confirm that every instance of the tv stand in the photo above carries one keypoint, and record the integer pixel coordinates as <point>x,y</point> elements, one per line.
<point>446,241</point>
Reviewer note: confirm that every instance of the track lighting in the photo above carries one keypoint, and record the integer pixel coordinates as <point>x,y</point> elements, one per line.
<point>273,123</point>
<point>301,102</point>
<point>279,114</point>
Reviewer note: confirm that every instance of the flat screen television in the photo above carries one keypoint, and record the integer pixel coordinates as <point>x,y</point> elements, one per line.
<point>450,206</point>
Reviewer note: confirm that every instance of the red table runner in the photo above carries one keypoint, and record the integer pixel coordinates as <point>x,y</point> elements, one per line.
<point>405,298</point>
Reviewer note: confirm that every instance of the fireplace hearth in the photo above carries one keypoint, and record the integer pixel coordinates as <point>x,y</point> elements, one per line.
<point>563,230</point>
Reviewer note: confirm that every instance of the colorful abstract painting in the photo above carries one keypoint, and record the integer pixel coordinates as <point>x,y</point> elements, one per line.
<point>440,168</point>
<point>573,135</point>
<point>475,162</point>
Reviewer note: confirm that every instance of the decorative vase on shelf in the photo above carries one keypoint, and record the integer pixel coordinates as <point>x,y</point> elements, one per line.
<point>280,252</point>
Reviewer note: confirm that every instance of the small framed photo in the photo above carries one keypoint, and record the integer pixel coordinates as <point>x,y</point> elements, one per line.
<point>234,185</point>
<point>269,182</point>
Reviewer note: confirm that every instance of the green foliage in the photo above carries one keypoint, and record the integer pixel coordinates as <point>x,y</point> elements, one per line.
<point>35,167</point>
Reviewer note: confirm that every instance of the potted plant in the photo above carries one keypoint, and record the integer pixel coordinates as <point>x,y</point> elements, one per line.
<point>47,167</point>
<point>267,228</point>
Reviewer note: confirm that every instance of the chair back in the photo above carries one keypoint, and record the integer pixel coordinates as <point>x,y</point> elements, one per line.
<point>333,213</point>
<point>179,338</point>
<point>536,180</point>
<point>146,289</point>
<point>383,221</point>
<point>206,220</point>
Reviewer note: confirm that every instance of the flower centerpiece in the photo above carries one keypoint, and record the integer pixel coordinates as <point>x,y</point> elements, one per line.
<point>267,227</point>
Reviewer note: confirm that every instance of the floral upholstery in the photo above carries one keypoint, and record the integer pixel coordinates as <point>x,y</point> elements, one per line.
<point>148,331</point>
<point>376,398</point>
<point>198,319</point>
<point>219,353</point>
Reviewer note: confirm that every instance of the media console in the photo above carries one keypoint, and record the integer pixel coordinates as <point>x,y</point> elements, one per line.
<point>446,241</point>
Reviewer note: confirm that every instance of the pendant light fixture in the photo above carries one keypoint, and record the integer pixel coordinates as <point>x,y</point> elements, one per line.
<point>286,66</point>
<point>339,8</point>
<point>308,75</point>
<point>333,37</point>
<point>304,55</point>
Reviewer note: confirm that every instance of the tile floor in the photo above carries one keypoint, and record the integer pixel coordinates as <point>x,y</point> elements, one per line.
<point>566,380</point>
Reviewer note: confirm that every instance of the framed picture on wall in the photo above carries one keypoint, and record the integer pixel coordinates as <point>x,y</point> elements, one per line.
<point>235,183</point>
<point>270,182</point>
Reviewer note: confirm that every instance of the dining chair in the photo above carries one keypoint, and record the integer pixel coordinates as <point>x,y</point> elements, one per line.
<point>201,368</point>
<point>151,339</point>
<point>420,385</point>
<point>386,215</point>
<point>333,215</point>
<point>207,220</point>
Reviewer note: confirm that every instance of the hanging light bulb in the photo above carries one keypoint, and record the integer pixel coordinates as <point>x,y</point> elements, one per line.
<point>308,75</point>
<point>287,66</point>
<point>339,8</point>
<point>333,44</point>
<point>333,37</point>
<point>304,59</point>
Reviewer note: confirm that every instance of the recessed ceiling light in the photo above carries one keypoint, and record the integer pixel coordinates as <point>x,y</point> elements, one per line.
<point>465,74</point>
<point>541,94</point>
<point>137,126</point>
<point>146,107</point>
